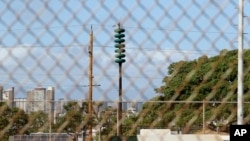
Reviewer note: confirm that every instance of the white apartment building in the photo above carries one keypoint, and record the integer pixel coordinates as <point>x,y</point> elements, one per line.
<point>7,96</point>
<point>20,103</point>
<point>41,99</point>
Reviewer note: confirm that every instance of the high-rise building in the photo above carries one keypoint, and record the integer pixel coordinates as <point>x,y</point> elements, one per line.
<point>20,103</point>
<point>36,100</point>
<point>59,110</point>
<point>7,96</point>
<point>40,99</point>
<point>50,103</point>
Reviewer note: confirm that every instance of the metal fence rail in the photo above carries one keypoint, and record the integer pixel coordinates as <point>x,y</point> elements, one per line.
<point>181,71</point>
<point>41,137</point>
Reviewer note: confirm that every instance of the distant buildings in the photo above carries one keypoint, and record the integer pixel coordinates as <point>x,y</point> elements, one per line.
<point>137,106</point>
<point>43,99</point>
<point>7,96</point>
<point>38,99</point>
<point>59,110</point>
<point>134,108</point>
<point>21,103</point>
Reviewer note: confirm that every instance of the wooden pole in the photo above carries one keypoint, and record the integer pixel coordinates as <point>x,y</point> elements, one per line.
<point>90,110</point>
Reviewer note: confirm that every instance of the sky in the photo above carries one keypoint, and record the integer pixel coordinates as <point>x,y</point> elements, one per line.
<point>45,42</point>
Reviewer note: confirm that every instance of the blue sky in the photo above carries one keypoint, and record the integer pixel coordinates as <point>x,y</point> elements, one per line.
<point>45,43</point>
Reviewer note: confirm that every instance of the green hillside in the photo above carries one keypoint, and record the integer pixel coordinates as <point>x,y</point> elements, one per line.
<point>212,79</point>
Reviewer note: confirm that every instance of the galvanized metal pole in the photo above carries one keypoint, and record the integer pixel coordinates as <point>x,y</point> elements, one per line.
<point>119,113</point>
<point>240,65</point>
<point>204,119</point>
<point>90,84</point>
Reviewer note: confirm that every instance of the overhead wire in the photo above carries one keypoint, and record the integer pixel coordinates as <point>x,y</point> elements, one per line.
<point>112,26</point>
<point>30,83</point>
<point>158,49</point>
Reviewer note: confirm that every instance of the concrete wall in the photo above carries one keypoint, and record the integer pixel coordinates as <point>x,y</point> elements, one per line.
<point>166,135</point>
<point>159,132</point>
<point>183,137</point>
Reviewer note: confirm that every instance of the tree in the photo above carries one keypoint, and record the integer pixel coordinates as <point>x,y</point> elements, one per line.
<point>74,119</point>
<point>38,122</point>
<point>12,121</point>
<point>108,118</point>
<point>213,78</point>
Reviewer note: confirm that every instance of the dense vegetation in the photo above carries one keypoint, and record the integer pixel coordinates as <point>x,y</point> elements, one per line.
<point>12,121</point>
<point>210,79</point>
<point>75,120</point>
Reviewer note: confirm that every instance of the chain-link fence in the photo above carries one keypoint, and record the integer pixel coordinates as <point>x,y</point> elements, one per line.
<point>42,137</point>
<point>58,72</point>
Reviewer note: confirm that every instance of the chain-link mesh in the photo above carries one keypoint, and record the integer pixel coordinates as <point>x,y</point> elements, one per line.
<point>180,73</point>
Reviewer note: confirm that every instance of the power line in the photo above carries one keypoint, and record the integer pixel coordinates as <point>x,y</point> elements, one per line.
<point>158,49</point>
<point>108,76</point>
<point>161,49</point>
<point>111,26</point>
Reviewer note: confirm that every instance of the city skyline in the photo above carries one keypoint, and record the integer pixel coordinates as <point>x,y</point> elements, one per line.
<point>38,98</point>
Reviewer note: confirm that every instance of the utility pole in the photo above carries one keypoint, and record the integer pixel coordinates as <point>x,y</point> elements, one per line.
<point>240,64</point>
<point>90,106</point>
<point>204,114</point>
